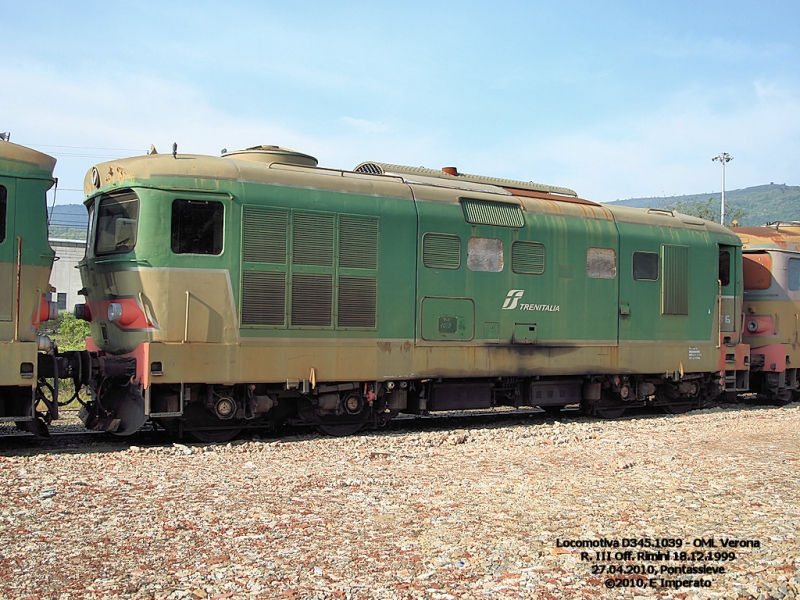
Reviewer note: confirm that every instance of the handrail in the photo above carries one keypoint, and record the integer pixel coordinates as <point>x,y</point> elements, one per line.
<point>663,211</point>
<point>719,314</point>
<point>134,261</point>
<point>19,287</point>
<point>186,320</point>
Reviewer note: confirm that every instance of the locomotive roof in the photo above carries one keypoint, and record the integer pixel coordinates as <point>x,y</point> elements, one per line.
<point>279,166</point>
<point>19,161</point>
<point>657,217</point>
<point>780,236</point>
<point>377,168</point>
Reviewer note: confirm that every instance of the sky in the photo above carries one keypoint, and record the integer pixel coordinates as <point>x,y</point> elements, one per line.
<point>614,99</point>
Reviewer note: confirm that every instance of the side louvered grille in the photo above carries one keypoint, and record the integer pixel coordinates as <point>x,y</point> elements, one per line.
<point>527,257</point>
<point>312,299</point>
<point>263,298</point>
<point>264,235</point>
<point>441,251</point>
<point>358,242</point>
<point>312,241</point>
<point>308,269</point>
<point>675,283</point>
<point>484,212</point>
<point>357,301</point>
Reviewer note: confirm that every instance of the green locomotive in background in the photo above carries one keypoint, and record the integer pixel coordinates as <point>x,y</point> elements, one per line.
<point>256,287</point>
<point>28,360</point>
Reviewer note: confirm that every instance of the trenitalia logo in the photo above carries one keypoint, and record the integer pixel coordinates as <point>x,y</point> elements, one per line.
<point>514,296</point>
<point>512,299</point>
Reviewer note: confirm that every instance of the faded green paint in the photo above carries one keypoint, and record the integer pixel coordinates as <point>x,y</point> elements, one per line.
<point>26,176</point>
<point>464,315</point>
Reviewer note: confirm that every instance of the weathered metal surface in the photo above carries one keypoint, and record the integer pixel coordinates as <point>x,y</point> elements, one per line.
<point>19,161</point>
<point>321,276</point>
<point>763,238</point>
<point>25,260</point>
<point>389,169</point>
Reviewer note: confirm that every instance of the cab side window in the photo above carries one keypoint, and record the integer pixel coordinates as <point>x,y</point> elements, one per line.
<point>197,227</point>
<point>645,266</point>
<point>724,267</point>
<point>794,274</point>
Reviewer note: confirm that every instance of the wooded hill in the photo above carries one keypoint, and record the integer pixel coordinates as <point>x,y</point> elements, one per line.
<point>760,204</point>
<point>68,222</point>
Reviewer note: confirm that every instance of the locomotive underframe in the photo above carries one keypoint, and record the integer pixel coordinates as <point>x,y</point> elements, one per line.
<point>217,412</point>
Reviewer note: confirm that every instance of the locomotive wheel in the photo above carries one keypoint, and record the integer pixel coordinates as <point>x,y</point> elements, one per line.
<point>214,436</point>
<point>609,412</point>
<point>119,409</point>
<point>204,426</point>
<point>609,407</point>
<point>679,408</point>
<point>341,429</point>
<point>783,397</point>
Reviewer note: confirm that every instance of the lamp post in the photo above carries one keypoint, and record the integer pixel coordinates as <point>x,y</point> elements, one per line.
<point>723,157</point>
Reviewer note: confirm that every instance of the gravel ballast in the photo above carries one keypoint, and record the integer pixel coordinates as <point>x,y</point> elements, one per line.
<point>533,510</point>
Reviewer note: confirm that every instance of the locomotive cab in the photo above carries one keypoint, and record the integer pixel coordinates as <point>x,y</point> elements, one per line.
<point>25,262</point>
<point>771,263</point>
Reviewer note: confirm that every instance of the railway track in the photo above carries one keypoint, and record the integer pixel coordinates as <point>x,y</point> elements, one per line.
<point>73,437</point>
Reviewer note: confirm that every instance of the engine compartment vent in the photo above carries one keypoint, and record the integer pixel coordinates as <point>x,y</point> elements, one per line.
<point>451,173</point>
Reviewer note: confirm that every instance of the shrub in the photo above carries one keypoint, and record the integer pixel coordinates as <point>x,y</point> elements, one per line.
<point>68,332</point>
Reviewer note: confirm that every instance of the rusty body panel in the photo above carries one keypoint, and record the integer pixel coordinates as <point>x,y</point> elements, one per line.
<point>771,309</point>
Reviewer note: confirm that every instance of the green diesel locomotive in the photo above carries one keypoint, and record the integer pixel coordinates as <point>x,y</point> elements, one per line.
<point>27,359</point>
<point>256,287</point>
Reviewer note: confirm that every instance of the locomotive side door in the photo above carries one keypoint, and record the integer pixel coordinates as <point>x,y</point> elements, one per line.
<point>8,248</point>
<point>654,297</point>
<point>730,290</point>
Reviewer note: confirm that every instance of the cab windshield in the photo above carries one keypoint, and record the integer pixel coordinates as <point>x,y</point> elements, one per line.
<point>117,219</point>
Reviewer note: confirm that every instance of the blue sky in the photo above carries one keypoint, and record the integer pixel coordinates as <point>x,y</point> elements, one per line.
<point>612,99</point>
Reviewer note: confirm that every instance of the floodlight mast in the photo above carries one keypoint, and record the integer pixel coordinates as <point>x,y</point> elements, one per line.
<point>723,157</point>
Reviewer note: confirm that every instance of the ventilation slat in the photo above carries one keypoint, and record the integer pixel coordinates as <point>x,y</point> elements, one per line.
<point>358,242</point>
<point>358,299</point>
<point>675,283</point>
<point>264,235</point>
<point>527,257</point>
<point>263,298</point>
<point>312,240</point>
<point>370,168</point>
<point>485,212</point>
<point>441,251</point>
<point>312,300</point>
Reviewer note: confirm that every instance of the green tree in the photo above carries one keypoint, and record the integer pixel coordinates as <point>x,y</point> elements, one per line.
<point>68,332</point>
<point>709,210</point>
